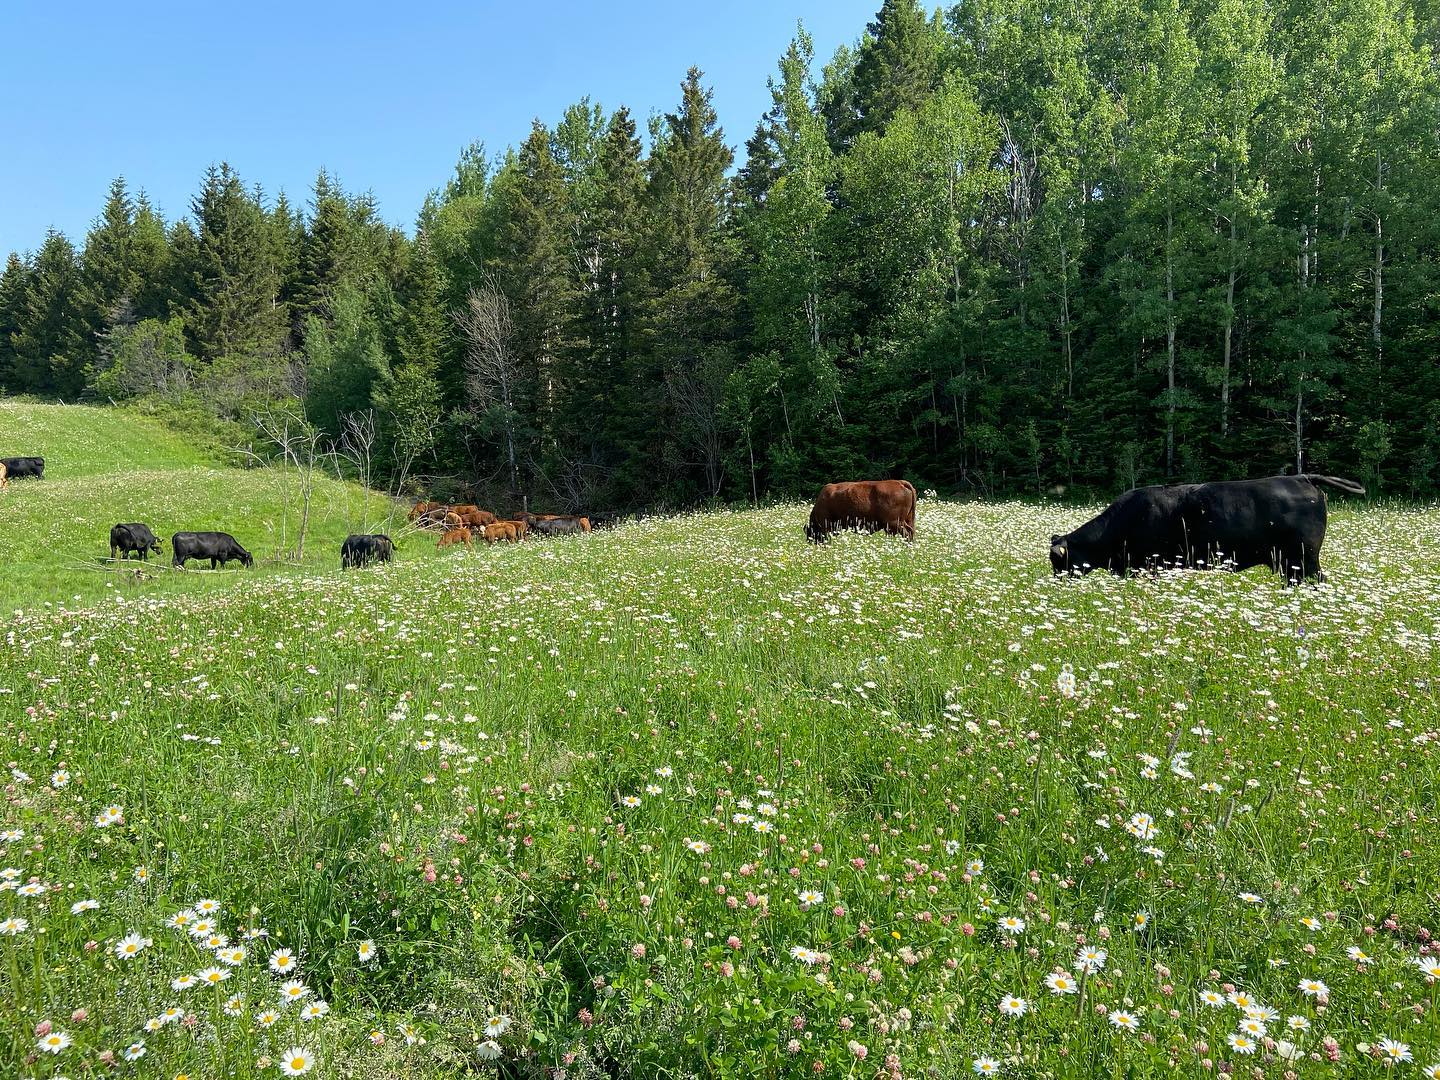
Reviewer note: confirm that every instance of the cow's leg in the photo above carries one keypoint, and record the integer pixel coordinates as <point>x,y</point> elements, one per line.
<point>213,561</point>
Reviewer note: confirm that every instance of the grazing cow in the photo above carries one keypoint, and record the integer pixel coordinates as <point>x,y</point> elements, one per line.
<point>450,537</point>
<point>17,468</point>
<point>521,529</point>
<point>420,509</point>
<point>498,532</point>
<point>558,526</point>
<point>1277,521</point>
<point>218,547</point>
<point>1140,528</point>
<point>871,505</point>
<point>133,537</point>
<point>361,549</point>
<point>475,518</point>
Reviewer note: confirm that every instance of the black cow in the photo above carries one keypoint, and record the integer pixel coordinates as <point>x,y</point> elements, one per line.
<point>133,537</point>
<point>1278,521</point>
<point>556,526</point>
<point>361,549</point>
<point>17,468</point>
<point>218,547</point>
<point>1137,529</point>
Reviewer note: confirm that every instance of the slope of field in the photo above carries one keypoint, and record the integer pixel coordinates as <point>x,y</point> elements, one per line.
<point>695,798</point>
<point>104,466</point>
<point>78,440</point>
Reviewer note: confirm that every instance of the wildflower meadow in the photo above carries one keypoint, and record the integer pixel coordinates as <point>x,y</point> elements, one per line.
<point>691,797</point>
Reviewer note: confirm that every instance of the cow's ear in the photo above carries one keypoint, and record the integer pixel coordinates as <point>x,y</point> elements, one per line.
<point>1055,538</point>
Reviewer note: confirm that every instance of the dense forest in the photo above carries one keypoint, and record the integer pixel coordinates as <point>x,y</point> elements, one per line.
<point>1013,246</point>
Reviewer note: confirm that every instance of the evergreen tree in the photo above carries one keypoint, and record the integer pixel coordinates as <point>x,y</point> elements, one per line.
<point>423,338</point>
<point>898,67</point>
<point>607,405</point>
<point>692,313</point>
<point>49,345</point>
<point>14,282</point>
<point>532,259</point>
<point>235,310</point>
<point>328,255</point>
<point>111,277</point>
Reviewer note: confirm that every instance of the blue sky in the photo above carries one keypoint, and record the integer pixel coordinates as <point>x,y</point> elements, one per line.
<point>383,95</point>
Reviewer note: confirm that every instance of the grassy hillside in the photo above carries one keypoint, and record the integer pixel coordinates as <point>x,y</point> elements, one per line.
<point>104,466</point>
<point>694,798</point>
<point>78,441</point>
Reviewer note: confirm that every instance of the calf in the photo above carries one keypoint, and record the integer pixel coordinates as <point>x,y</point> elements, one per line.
<point>220,548</point>
<point>459,535</point>
<point>135,538</point>
<point>473,517</point>
<point>501,532</point>
<point>361,549</point>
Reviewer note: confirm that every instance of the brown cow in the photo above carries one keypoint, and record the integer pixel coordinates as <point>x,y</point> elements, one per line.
<point>476,519</point>
<point>501,532</point>
<point>421,509</point>
<point>522,529</point>
<point>870,505</point>
<point>454,536</point>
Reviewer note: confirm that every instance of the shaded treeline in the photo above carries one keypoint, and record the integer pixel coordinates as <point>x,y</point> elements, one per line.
<point>1014,245</point>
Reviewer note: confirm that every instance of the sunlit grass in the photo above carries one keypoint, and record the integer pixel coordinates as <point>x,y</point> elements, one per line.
<point>693,797</point>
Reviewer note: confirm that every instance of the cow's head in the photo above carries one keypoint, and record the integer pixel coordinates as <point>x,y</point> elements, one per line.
<point>246,559</point>
<point>155,545</point>
<point>1059,554</point>
<point>813,533</point>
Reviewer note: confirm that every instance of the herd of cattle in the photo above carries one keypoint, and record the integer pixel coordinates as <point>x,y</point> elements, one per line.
<point>1277,521</point>
<point>461,523</point>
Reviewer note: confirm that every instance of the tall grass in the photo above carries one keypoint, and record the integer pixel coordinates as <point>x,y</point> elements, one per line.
<point>694,798</point>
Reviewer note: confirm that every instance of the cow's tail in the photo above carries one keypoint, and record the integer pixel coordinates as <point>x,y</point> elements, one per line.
<point>914,498</point>
<point>1336,482</point>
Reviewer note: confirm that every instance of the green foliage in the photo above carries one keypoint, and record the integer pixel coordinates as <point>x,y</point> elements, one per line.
<point>234,278</point>
<point>345,359</point>
<point>1027,246</point>
<point>410,398</point>
<point>144,359</point>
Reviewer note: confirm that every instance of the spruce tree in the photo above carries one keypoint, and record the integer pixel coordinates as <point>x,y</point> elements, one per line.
<point>235,310</point>
<point>693,309</point>
<point>531,255</point>
<point>49,344</point>
<point>13,284</point>
<point>111,277</point>
<point>899,65</point>
<point>423,337</point>
<point>327,257</point>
